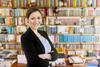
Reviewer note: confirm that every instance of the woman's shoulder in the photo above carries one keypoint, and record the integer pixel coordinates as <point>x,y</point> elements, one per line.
<point>41,31</point>
<point>25,35</point>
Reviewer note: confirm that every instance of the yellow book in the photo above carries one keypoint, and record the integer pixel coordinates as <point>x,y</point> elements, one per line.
<point>21,3</point>
<point>74,3</point>
<point>70,30</point>
<point>68,3</point>
<point>56,2</point>
<point>15,3</point>
<point>60,50</point>
<point>24,12</point>
<point>29,2</point>
<point>84,5</point>
<point>48,3</point>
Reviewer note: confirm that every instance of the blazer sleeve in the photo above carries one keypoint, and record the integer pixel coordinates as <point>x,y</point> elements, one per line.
<point>30,52</point>
<point>54,54</point>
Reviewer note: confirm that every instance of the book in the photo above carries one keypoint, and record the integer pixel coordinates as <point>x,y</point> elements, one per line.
<point>22,59</point>
<point>75,59</point>
<point>7,62</point>
<point>21,29</point>
<point>7,53</point>
<point>62,29</point>
<point>18,38</point>
<point>11,38</point>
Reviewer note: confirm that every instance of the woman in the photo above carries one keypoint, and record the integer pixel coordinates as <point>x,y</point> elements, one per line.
<point>36,44</point>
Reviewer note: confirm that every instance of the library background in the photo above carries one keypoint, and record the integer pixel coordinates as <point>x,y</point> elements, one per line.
<point>72,25</point>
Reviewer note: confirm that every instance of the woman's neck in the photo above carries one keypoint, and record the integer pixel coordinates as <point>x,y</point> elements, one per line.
<point>34,30</point>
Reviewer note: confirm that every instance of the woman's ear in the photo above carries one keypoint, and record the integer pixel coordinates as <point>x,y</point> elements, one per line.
<point>27,21</point>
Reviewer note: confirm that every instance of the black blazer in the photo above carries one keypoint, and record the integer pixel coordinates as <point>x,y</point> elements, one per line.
<point>32,47</point>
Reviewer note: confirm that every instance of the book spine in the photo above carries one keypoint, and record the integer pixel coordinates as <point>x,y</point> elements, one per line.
<point>74,3</point>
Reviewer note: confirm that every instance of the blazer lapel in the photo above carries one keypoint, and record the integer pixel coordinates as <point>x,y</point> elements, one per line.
<point>38,42</point>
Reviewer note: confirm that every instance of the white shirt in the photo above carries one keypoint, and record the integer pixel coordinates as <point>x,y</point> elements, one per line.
<point>45,43</point>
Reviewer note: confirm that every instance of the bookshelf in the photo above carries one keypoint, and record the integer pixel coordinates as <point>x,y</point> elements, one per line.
<point>73,26</point>
<point>12,25</point>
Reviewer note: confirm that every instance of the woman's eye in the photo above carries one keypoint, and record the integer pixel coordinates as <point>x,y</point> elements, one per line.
<point>38,18</point>
<point>32,18</point>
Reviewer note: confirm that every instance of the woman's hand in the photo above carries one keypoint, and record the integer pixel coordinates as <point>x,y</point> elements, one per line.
<point>45,56</point>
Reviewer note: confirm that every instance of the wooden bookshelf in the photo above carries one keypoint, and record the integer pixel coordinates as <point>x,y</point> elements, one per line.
<point>76,19</point>
<point>73,21</point>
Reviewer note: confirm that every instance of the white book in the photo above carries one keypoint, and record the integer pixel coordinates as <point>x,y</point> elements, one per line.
<point>21,59</point>
<point>18,38</point>
<point>97,12</point>
<point>11,37</point>
<point>75,59</point>
<point>62,29</point>
<point>97,21</point>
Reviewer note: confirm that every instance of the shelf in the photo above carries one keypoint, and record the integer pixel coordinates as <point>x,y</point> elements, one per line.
<point>78,15</point>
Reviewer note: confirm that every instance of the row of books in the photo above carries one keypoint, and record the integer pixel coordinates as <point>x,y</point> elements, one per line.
<point>51,11</point>
<point>84,53</point>
<point>83,46</point>
<point>62,38</point>
<point>76,11</point>
<point>86,49</point>
<point>9,46</point>
<point>20,21</point>
<point>15,29</point>
<point>23,21</point>
<point>7,38</point>
<point>12,21</point>
<point>7,53</point>
<point>73,29</point>
<point>77,38</point>
<point>72,20</point>
<point>80,3</point>
<point>7,29</point>
<point>12,12</point>
<point>10,38</point>
<point>63,20</point>
<point>6,12</point>
<point>12,29</point>
<point>15,3</point>
<point>49,3</point>
<point>20,12</point>
<point>7,62</point>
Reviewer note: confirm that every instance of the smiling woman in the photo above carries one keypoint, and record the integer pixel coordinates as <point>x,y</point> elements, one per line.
<point>35,19</point>
<point>36,44</point>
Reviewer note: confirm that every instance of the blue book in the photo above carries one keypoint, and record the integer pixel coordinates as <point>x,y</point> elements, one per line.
<point>92,65</point>
<point>66,38</point>
<point>61,38</point>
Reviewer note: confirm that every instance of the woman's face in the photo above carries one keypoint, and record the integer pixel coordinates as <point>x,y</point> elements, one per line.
<point>35,20</point>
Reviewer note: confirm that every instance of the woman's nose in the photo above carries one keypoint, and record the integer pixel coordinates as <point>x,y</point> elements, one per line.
<point>36,19</point>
